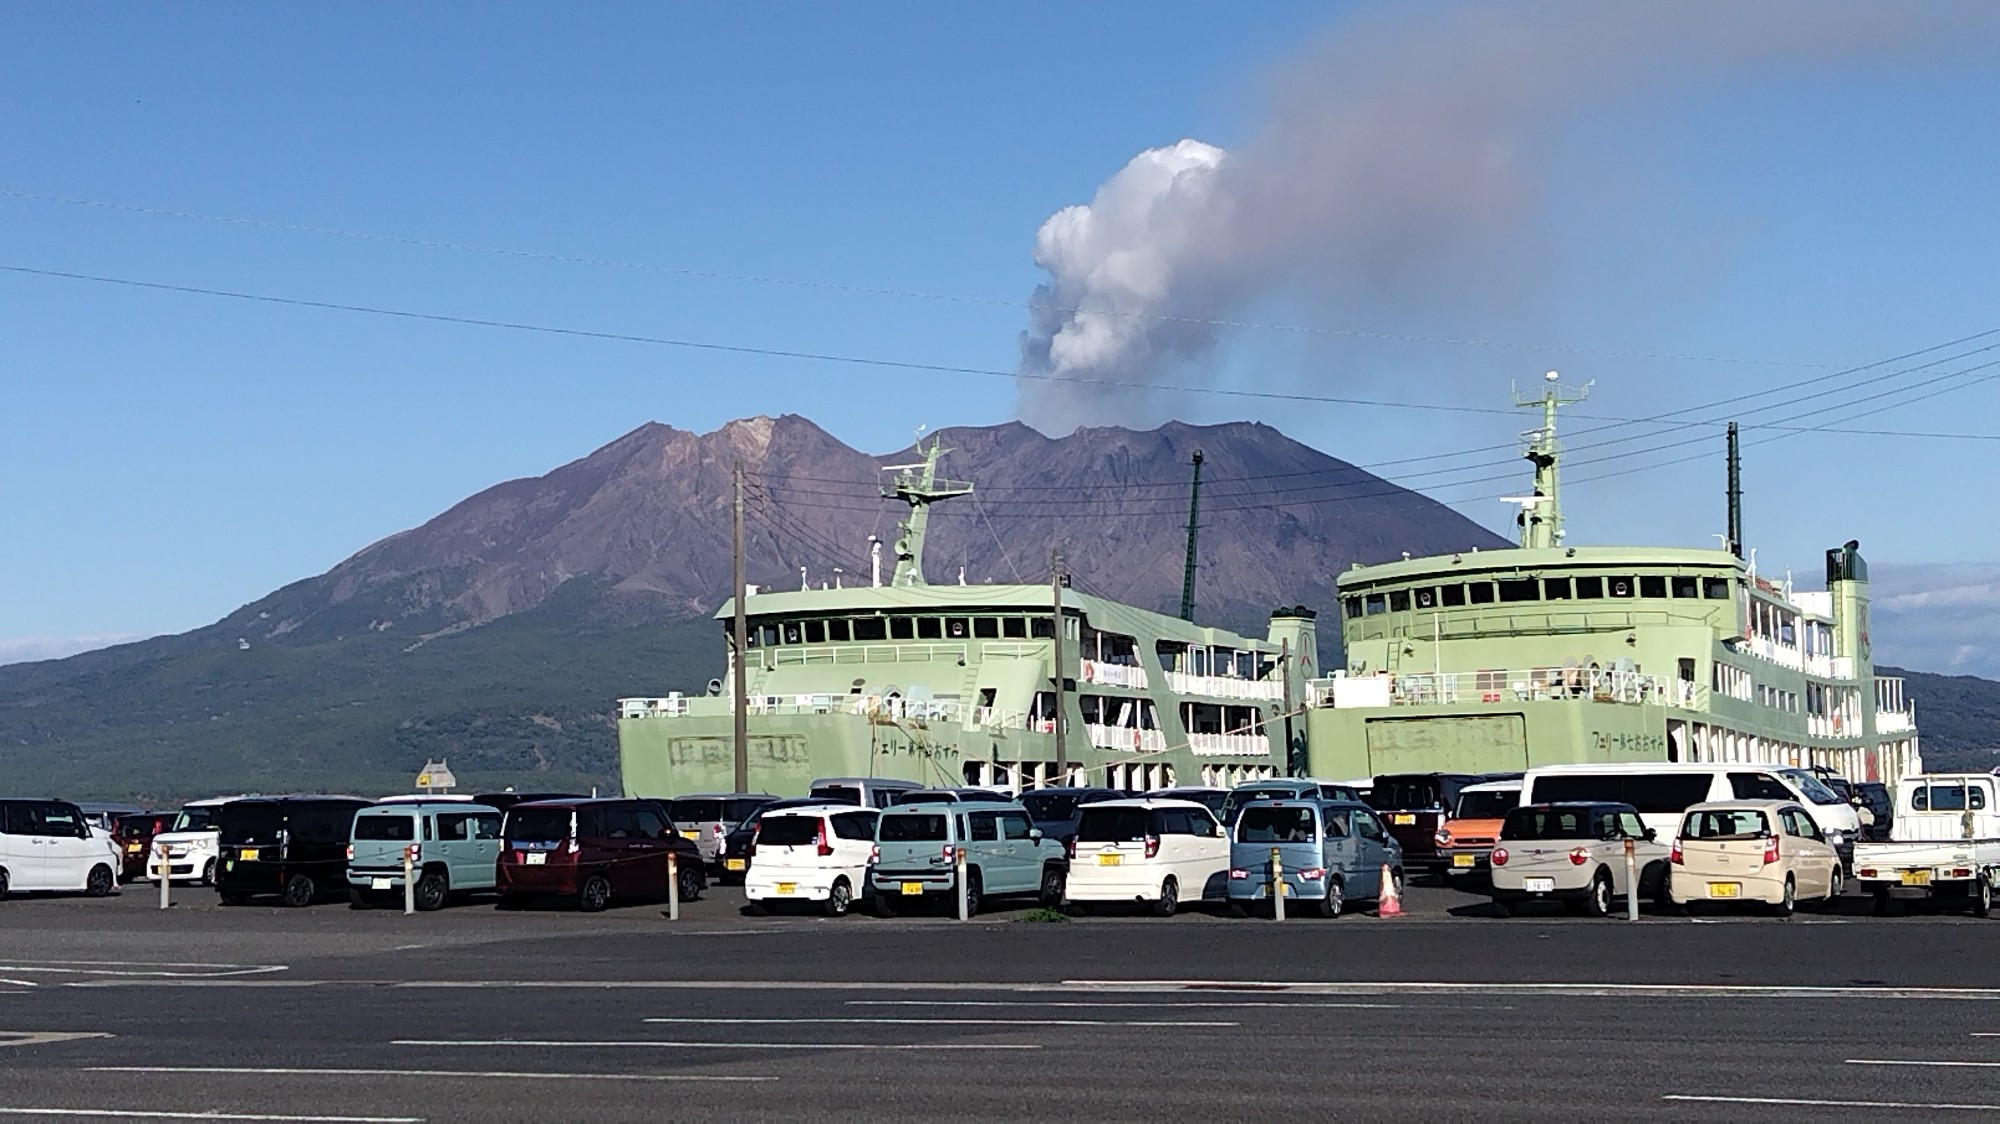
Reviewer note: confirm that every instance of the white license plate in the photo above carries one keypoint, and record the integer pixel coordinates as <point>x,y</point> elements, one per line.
<point>378,883</point>
<point>1538,885</point>
<point>535,858</point>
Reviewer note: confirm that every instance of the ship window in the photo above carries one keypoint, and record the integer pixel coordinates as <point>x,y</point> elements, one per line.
<point>957,628</point>
<point>871,628</point>
<point>1620,587</point>
<point>1715,589</point>
<point>1427,598</point>
<point>1451,594</point>
<point>1170,652</point>
<point>1480,593</point>
<point>836,630</point>
<point>1399,601</point>
<point>752,636</point>
<point>985,628</point>
<point>1652,585</point>
<point>770,635</point>
<point>1684,587</point>
<point>902,628</point>
<point>1555,589</point>
<point>1518,589</point>
<point>1376,603</point>
<point>1589,589</point>
<point>1353,605</point>
<point>1042,628</point>
<point>791,632</point>
<point>1014,628</point>
<point>930,628</point>
<point>815,632</point>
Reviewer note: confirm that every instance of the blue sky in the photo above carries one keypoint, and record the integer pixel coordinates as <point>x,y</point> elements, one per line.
<point>171,456</point>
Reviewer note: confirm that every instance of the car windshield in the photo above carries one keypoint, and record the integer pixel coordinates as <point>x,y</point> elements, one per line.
<point>695,811</point>
<point>845,793</point>
<point>1474,805</point>
<point>1404,794</point>
<point>397,828</point>
<point>538,825</point>
<point>1810,785</point>
<point>1113,825</point>
<point>251,823</point>
<point>135,827</point>
<point>195,819</point>
<point>911,827</point>
<point>1276,825</point>
<point>1050,805</point>
<point>787,831</point>
<point>1527,824</point>
<point>1734,823</point>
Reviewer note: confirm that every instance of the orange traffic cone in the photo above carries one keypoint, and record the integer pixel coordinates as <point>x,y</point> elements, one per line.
<point>1390,903</point>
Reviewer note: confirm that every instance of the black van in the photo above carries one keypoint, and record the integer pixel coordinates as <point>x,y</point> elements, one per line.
<point>291,846</point>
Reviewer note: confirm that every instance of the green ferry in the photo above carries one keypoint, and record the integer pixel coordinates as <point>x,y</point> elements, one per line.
<point>1550,654</point>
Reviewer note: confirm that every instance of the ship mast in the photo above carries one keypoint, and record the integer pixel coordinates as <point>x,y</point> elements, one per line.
<point>919,486</point>
<point>1541,511</point>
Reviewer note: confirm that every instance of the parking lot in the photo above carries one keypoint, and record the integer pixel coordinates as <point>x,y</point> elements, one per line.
<point>114,1009</point>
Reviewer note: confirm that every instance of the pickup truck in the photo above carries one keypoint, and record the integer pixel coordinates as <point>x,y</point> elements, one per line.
<point>1944,843</point>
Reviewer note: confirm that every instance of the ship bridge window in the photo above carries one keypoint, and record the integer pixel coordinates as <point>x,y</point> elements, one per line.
<point>1014,628</point>
<point>837,630</point>
<point>769,635</point>
<point>985,628</point>
<point>1479,593</point>
<point>930,628</point>
<point>1684,587</point>
<point>1518,589</point>
<point>1427,598</point>
<point>1376,603</point>
<point>791,632</point>
<point>1450,595</point>
<point>1715,589</point>
<point>1352,605</point>
<point>1555,589</point>
<point>1110,647</point>
<point>871,628</point>
<point>1652,585</point>
<point>1589,589</point>
<point>957,628</point>
<point>1399,601</point>
<point>902,628</point>
<point>815,632</point>
<point>1620,587</point>
<point>1042,628</point>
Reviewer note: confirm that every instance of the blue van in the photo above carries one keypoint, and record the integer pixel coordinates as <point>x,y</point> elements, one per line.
<point>458,849</point>
<point>1332,851</point>
<point>917,845</point>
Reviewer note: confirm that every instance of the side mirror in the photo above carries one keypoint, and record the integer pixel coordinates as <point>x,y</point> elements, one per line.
<point>1035,833</point>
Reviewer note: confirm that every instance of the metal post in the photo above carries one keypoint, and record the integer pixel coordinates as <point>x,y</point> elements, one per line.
<point>166,877</point>
<point>409,880</point>
<point>1056,659</point>
<point>740,636</point>
<point>958,862</point>
<point>1293,768</point>
<point>1277,885</point>
<point>673,885</point>
<point>1631,881</point>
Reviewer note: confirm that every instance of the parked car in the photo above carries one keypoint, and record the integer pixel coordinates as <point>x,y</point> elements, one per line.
<point>818,854</point>
<point>1574,853</point>
<point>509,798</point>
<point>294,847</point>
<point>133,834</point>
<point>1767,851</point>
<point>739,847</point>
<point>1055,810</point>
<point>1154,851</point>
<point>1465,842</point>
<point>458,851</point>
<point>50,845</point>
<point>1285,788</point>
<point>1663,792</point>
<point>1210,798</point>
<point>1005,855</point>
<point>706,818</point>
<point>1881,806</point>
<point>596,851</point>
<point>1944,842</point>
<point>935,795</point>
<point>1415,806</point>
<point>103,817</point>
<point>866,792</point>
<point>1332,852</point>
<point>193,843</point>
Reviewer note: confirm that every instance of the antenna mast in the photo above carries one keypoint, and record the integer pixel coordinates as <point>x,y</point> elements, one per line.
<point>1194,527</point>
<point>919,486</point>
<point>1541,512</point>
<point>1735,495</point>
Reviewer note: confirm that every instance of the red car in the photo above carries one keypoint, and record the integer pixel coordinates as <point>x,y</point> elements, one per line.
<point>594,852</point>
<point>133,833</point>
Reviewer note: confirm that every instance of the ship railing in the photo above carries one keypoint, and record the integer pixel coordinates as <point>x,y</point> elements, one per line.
<point>1223,686</point>
<point>1229,745</point>
<point>994,718</point>
<point>861,653</point>
<point>1125,737</point>
<point>1830,667</point>
<point>672,706</point>
<point>1113,675</point>
<point>1894,722</point>
<point>1539,684</point>
<point>1781,654</point>
<point>1835,726</point>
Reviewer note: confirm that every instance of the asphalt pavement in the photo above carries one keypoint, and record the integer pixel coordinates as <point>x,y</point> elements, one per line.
<point>116,1010</point>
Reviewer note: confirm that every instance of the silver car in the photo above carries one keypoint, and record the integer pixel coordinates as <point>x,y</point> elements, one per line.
<point>1575,854</point>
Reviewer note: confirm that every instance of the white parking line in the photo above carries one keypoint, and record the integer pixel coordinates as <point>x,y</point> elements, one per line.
<point>1805,1102</point>
<point>554,1044</point>
<point>1278,1004</point>
<point>143,1114</point>
<point>1923,1064</point>
<point>45,1037</point>
<point>141,969</point>
<point>1594,990</point>
<point>886,1021</point>
<point>500,1074</point>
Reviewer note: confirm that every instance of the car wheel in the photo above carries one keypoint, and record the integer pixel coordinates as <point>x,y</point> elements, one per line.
<point>300,891</point>
<point>690,884</point>
<point>1396,880</point>
<point>3,884</point>
<point>595,894</point>
<point>431,890</point>
<point>1509,907</point>
<point>1786,903</point>
<point>972,888</point>
<point>1835,888</point>
<point>882,905</point>
<point>1335,900</point>
<point>1599,903</point>
<point>234,899</point>
<point>1055,883</point>
<point>839,899</point>
<point>100,882</point>
<point>208,873</point>
<point>1238,910</point>
<point>1879,905</point>
<point>1982,898</point>
<point>1170,898</point>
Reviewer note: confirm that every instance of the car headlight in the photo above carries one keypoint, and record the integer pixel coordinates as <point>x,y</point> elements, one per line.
<point>1834,838</point>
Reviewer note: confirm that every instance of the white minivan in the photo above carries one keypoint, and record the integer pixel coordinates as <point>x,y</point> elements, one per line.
<point>1663,791</point>
<point>192,844</point>
<point>1158,852</point>
<point>49,845</point>
<point>816,854</point>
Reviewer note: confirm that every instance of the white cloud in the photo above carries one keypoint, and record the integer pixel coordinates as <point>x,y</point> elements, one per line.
<point>25,649</point>
<point>1938,617</point>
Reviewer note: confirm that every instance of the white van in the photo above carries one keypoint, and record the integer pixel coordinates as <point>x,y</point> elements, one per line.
<point>1662,791</point>
<point>816,854</point>
<point>192,844</point>
<point>50,845</point>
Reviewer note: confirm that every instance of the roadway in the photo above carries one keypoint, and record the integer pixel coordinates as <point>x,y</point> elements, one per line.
<point>114,1010</point>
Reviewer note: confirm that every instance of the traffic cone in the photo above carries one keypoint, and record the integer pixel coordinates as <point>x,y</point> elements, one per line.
<point>1390,903</point>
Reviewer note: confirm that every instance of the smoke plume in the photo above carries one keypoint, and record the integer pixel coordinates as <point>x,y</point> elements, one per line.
<point>1405,140</point>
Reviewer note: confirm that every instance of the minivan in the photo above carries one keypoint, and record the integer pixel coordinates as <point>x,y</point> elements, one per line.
<point>815,854</point>
<point>291,846</point>
<point>868,792</point>
<point>916,855</point>
<point>1415,806</point>
<point>50,845</point>
<point>708,818</point>
<point>1161,853</point>
<point>457,851</point>
<point>1331,852</point>
<point>192,843</point>
<point>1663,792</point>
<point>595,851</point>
<point>1284,788</point>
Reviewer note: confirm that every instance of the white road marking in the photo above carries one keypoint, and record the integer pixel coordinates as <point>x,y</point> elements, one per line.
<point>20,983</point>
<point>499,1074</point>
<point>44,1037</point>
<point>554,1044</point>
<point>1924,1064</point>
<point>887,1021</point>
<point>139,968</point>
<point>142,1114</point>
<point>1805,1102</point>
<point>1595,990</point>
<point>1276,1005</point>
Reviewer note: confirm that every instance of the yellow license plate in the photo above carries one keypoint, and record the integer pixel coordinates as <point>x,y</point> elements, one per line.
<point>1916,878</point>
<point>788,887</point>
<point>734,864</point>
<point>1113,859</point>
<point>1405,818</point>
<point>694,835</point>
<point>1464,860</point>
<point>133,847</point>
<point>1725,889</point>
<point>912,889</point>
<point>248,855</point>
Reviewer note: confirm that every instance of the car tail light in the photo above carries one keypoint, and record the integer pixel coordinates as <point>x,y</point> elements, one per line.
<point>350,852</point>
<point>1771,850</point>
<point>1069,847</point>
<point>416,852</point>
<point>949,852</point>
<point>1961,872</point>
<point>1579,855</point>
<point>825,848</point>
<point>1499,856</point>
<point>1152,846</point>
<point>1866,872</point>
<point>1314,874</point>
<point>1238,873</point>
<point>874,854</point>
<point>716,831</point>
<point>1675,857</point>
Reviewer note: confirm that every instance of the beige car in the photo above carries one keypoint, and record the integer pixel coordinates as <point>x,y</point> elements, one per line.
<point>1575,854</point>
<point>1769,851</point>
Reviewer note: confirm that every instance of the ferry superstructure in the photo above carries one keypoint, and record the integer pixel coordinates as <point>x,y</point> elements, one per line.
<point>1548,653</point>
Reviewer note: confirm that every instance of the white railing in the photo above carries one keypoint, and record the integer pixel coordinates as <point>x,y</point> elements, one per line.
<point>1894,722</point>
<point>1229,745</point>
<point>1125,737</point>
<point>1540,684</point>
<point>1223,686</point>
<point>673,706</point>
<point>1776,653</point>
<point>877,707</point>
<point>1832,726</point>
<point>1114,675</point>
<point>793,656</point>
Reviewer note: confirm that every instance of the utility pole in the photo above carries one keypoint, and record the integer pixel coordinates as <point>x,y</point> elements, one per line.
<point>1194,527</point>
<point>740,681</point>
<point>1056,658</point>
<point>1292,766</point>
<point>1735,495</point>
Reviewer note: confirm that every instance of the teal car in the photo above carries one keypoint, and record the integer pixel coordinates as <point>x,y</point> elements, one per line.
<point>1330,852</point>
<point>457,849</point>
<point>917,849</point>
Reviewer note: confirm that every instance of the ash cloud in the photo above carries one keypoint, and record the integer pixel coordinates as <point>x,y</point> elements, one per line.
<point>1404,142</point>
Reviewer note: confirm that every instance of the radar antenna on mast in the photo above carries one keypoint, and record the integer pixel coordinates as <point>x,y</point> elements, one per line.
<point>919,486</point>
<point>1541,511</point>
